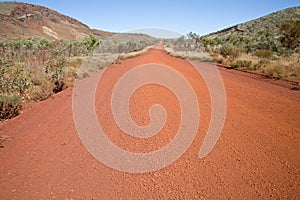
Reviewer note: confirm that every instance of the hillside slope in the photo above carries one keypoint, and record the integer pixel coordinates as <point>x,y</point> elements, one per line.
<point>271,22</point>
<point>22,20</point>
<point>269,45</point>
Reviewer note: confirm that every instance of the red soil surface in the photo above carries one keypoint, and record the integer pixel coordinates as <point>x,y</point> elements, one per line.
<point>256,156</point>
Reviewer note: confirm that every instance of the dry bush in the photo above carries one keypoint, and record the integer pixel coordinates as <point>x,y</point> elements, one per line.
<point>192,55</point>
<point>293,71</point>
<point>264,53</point>
<point>275,71</point>
<point>261,64</point>
<point>9,106</point>
<point>41,92</point>
<point>230,51</point>
<point>242,64</point>
<point>282,67</point>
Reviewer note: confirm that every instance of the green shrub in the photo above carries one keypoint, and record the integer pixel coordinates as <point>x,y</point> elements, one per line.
<point>56,74</point>
<point>241,64</point>
<point>28,44</point>
<point>58,77</point>
<point>14,79</point>
<point>9,106</point>
<point>92,42</point>
<point>44,44</point>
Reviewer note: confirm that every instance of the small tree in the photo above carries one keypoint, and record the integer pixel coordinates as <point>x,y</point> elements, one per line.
<point>290,31</point>
<point>180,40</point>
<point>195,39</point>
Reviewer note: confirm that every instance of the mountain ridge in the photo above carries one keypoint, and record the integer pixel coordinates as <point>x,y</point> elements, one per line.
<point>270,21</point>
<point>23,20</point>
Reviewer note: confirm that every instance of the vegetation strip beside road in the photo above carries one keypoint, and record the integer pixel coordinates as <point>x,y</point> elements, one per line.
<point>36,69</point>
<point>269,45</point>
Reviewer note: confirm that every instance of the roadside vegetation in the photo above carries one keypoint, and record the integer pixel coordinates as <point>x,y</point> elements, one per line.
<point>273,53</point>
<point>35,69</point>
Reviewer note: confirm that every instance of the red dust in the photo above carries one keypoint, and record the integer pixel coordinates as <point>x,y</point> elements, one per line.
<point>257,155</point>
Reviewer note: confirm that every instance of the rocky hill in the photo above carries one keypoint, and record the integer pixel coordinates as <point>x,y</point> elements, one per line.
<point>271,22</point>
<point>22,20</point>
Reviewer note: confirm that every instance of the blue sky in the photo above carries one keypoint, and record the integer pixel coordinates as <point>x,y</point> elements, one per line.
<point>181,16</point>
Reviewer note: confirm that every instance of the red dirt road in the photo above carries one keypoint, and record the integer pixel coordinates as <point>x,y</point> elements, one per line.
<point>256,156</point>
